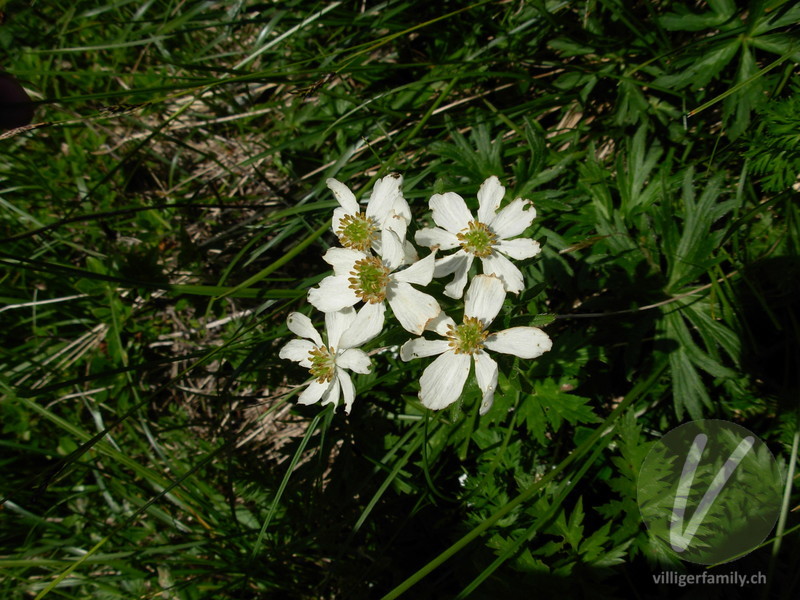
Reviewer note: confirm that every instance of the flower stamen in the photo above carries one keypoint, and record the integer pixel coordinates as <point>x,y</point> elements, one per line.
<point>477,239</point>
<point>323,363</point>
<point>467,338</point>
<point>369,279</point>
<point>357,231</point>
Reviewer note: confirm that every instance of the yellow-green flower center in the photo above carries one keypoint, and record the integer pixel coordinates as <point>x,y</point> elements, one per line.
<point>357,231</point>
<point>477,239</point>
<point>323,364</point>
<point>468,337</point>
<point>369,279</point>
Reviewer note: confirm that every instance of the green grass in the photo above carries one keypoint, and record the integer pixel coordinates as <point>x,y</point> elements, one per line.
<point>171,210</point>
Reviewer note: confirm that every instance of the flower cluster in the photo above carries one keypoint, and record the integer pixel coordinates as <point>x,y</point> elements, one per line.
<point>377,265</point>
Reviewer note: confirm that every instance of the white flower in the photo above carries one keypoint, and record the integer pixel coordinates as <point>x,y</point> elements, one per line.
<point>443,380</point>
<point>359,276</point>
<point>381,227</point>
<point>345,330</point>
<point>487,237</point>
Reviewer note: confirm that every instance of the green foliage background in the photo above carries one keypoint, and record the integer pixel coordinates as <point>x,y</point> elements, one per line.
<point>170,210</point>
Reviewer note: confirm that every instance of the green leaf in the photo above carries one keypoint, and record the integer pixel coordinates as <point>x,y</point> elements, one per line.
<point>559,405</point>
<point>677,330</point>
<point>786,16</point>
<point>699,72</point>
<point>568,47</point>
<point>688,391</point>
<point>542,320</point>
<point>535,418</point>
<point>634,173</point>
<point>715,333</point>
<point>571,529</point>
<point>740,104</point>
<point>694,253</point>
<point>683,20</point>
<point>779,43</point>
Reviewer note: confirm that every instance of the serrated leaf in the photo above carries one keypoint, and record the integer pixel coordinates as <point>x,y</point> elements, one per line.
<point>571,529</point>
<point>559,405</point>
<point>537,152</point>
<point>781,17</point>
<point>631,446</point>
<point>631,103</point>
<point>568,47</point>
<point>741,103</point>
<point>694,254</point>
<point>684,20</point>
<point>688,391</point>
<point>527,562</point>
<point>678,331</point>
<point>591,548</point>
<point>703,70</point>
<point>542,320</point>
<point>713,332</point>
<point>615,556</point>
<point>535,419</point>
<point>633,174</point>
<point>778,43</point>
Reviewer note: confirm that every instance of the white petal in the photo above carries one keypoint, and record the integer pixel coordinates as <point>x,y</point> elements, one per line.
<point>342,259</point>
<point>441,324</point>
<point>377,247</point>
<point>489,197</point>
<point>337,322</point>
<point>332,294</point>
<point>484,298</point>
<point>300,325</point>
<point>511,276</point>
<point>525,342</point>
<point>314,392</point>
<point>396,215</point>
<point>399,205</point>
<point>367,325</point>
<point>401,208</point>
<point>383,197</point>
<point>514,219</point>
<point>420,273</point>
<point>452,263</point>
<point>336,221</point>
<point>355,360</point>
<point>412,308</point>
<point>443,380</point>
<point>331,395</point>
<point>297,350</point>
<point>348,390</point>
<point>450,212</point>
<point>410,253</point>
<point>519,248</point>
<point>458,263</point>
<point>435,237</point>
<point>343,195</point>
<point>398,223</point>
<point>486,374</point>
<point>420,347</point>
<point>391,252</point>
